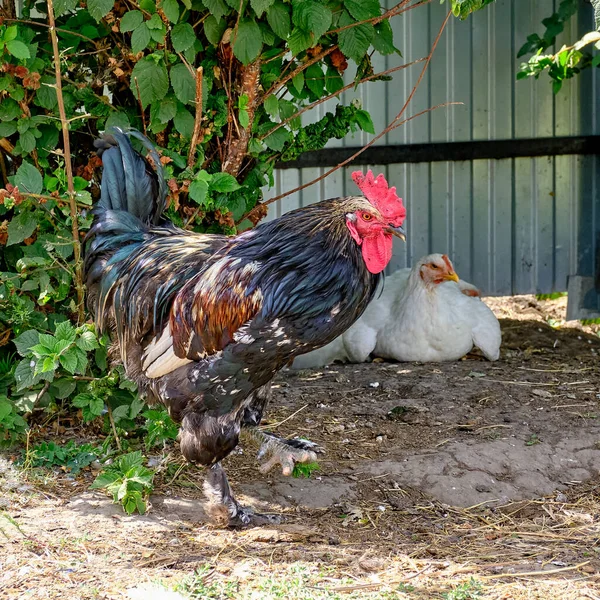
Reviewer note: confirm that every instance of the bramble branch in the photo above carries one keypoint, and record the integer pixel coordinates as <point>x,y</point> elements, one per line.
<point>68,168</point>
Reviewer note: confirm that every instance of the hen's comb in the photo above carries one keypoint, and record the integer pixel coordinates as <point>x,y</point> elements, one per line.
<point>384,198</point>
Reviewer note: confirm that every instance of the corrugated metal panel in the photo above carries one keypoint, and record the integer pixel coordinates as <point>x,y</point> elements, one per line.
<point>510,226</point>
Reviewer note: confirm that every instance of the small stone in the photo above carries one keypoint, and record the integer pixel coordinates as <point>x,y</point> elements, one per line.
<point>375,384</point>
<point>560,497</point>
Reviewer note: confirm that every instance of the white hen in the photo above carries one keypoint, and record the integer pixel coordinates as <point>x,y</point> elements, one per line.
<point>423,314</point>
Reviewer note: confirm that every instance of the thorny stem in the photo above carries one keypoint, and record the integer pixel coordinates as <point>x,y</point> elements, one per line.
<point>68,168</point>
<point>142,114</point>
<point>396,122</point>
<point>196,136</point>
<point>113,426</point>
<point>58,200</point>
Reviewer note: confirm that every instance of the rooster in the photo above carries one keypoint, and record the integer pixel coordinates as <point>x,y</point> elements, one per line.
<point>204,322</point>
<point>423,314</point>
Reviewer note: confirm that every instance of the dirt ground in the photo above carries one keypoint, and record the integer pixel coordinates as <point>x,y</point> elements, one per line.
<point>432,474</point>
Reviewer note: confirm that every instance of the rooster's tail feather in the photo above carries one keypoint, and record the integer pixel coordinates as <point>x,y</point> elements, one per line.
<point>133,197</point>
<point>129,183</point>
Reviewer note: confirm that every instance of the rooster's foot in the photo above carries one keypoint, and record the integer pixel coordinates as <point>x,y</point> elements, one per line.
<point>286,452</point>
<point>223,509</point>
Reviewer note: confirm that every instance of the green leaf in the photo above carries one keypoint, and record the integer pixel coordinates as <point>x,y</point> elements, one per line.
<point>27,141</point>
<point>224,182</point>
<point>10,33</point>
<point>171,10</point>
<point>155,22</point>
<point>182,37</point>
<point>6,407</point>
<point>79,183</point>
<point>96,406</point>
<point>48,365</point>
<point>47,341</point>
<point>28,179</point>
<point>362,10</point>
<point>21,227</point>
<point>46,95</point>
<point>167,110</point>
<point>300,40</point>
<point>65,332</point>
<point>183,83</point>
<point>244,118</point>
<point>24,375</point>
<point>98,9</point>
<point>184,122</point>
<point>298,81</point>
<point>87,341</point>
<point>26,340</point>
<point>311,16</point>
<point>117,119</point>
<point>315,80</point>
<point>82,400</point>
<point>259,6</point>
<point>278,17</point>
<point>383,41</point>
<point>140,38</point>
<point>217,8</point>
<point>365,122</point>
<point>18,49</point>
<point>9,110</point>
<point>198,191</point>
<point>63,6</point>
<point>214,29</point>
<point>131,20</point>
<point>277,140</point>
<point>62,388</point>
<point>9,127</point>
<point>248,42</point>
<point>271,105</point>
<point>152,79</point>
<point>69,361</point>
<point>104,480</point>
<point>355,41</point>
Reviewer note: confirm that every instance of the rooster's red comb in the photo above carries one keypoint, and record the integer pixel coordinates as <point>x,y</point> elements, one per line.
<point>384,198</point>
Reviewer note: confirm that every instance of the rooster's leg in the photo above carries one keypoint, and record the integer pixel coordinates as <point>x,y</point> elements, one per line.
<point>223,508</point>
<point>281,451</point>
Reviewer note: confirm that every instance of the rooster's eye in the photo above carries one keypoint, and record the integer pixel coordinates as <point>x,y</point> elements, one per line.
<point>367,216</point>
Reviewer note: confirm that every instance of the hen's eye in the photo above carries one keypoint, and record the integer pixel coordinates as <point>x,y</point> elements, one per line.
<point>433,266</point>
<point>367,216</point>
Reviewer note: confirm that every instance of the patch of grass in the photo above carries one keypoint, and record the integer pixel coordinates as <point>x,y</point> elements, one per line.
<point>590,321</point>
<point>533,440</point>
<point>298,582</point>
<point>552,296</point>
<point>470,590</point>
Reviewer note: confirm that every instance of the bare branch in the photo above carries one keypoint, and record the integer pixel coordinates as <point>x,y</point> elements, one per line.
<point>68,168</point>
<point>196,136</point>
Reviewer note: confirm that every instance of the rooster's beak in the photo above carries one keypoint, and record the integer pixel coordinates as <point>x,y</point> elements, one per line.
<point>452,276</point>
<point>397,231</point>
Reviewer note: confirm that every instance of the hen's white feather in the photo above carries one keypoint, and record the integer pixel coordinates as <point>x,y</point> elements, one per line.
<point>410,321</point>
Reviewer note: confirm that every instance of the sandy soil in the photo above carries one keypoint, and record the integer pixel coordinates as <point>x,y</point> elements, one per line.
<point>443,470</point>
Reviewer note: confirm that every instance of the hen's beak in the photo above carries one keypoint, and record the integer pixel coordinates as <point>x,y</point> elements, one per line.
<point>397,231</point>
<point>452,276</point>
